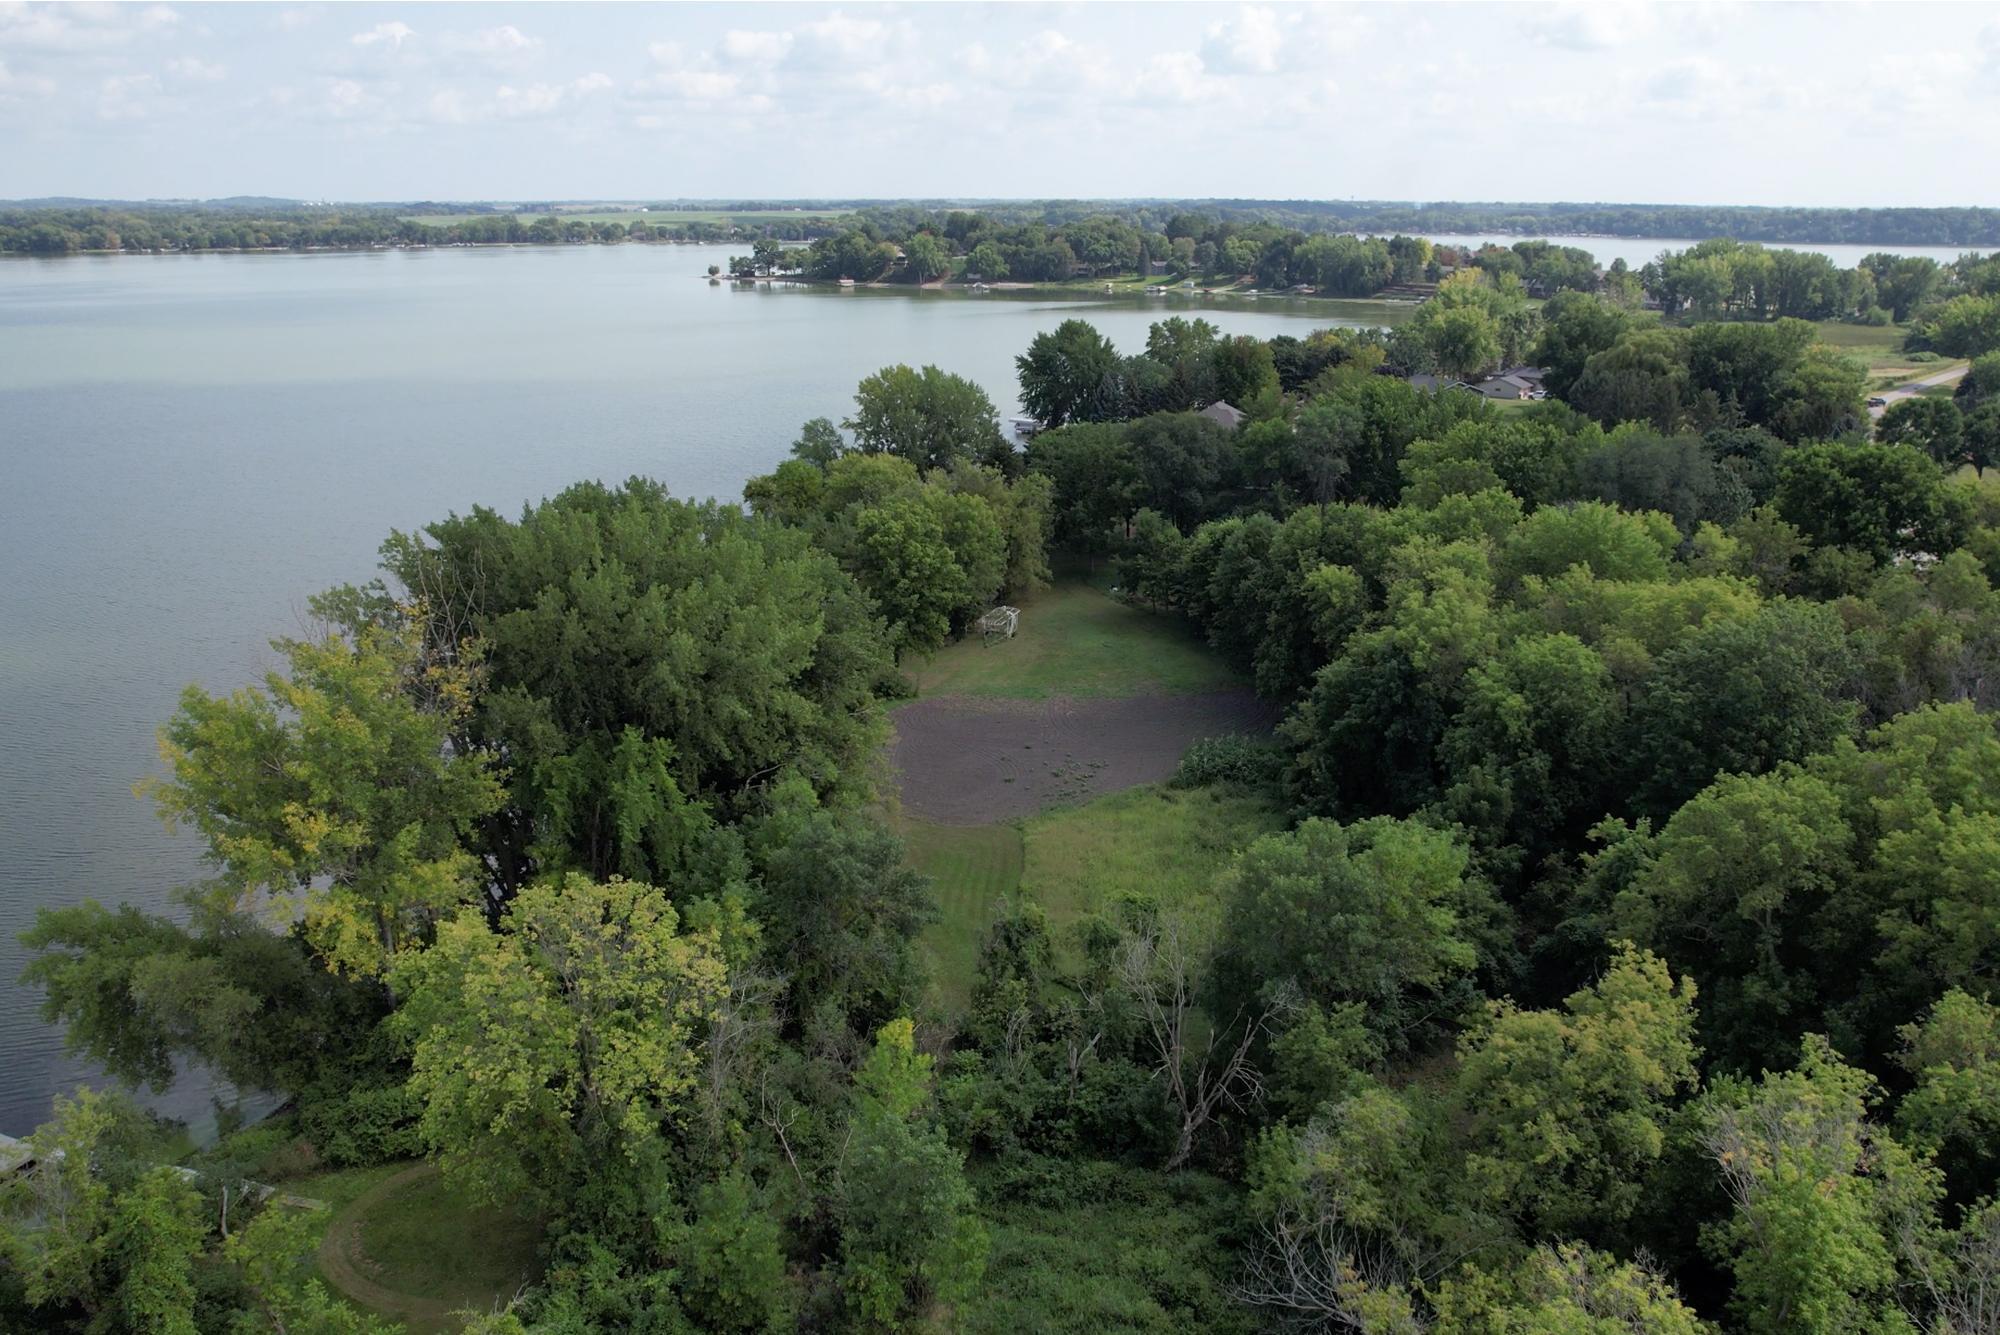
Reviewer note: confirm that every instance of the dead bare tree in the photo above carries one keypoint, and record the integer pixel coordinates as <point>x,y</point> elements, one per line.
<point>1310,1272</point>
<point>746,1013</point>
<point>1158,968</point>
<point>1959,1285</point>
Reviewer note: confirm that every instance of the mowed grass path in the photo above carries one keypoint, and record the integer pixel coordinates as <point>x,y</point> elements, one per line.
<point>1170,845</point>
<point>1076,640</point>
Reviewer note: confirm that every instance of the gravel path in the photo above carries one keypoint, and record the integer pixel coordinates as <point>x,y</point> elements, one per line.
<point>961,760</point>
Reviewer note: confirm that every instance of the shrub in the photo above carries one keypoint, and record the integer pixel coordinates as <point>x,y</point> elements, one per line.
<point>1234,758</point>
<point>366,1125</point>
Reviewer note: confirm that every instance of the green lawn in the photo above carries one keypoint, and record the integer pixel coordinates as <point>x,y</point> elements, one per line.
<point>1076,640</point>
<point>1880,348</point>
<point>428,1241</point>
<point>972,868</point>
<point>1170,844</point>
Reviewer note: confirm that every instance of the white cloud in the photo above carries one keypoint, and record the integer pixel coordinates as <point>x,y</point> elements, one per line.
<point>1174,77</point>
<point>455,106</point>
<point>78,27</point>
<point>1250,42</point>
<point>392,35</point>
<point>1598,25</point>
<point>13,86</point>
<point>195,70</point>
<point>346,99</point>
<point>127,97</point>
<point>756,48</point>
<point>502,47</point>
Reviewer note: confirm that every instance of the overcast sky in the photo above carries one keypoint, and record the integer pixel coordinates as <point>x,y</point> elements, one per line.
<point>1677,103</point>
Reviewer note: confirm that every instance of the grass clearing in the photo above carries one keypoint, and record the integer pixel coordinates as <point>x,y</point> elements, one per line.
<point>1076,640</point>
<point>426,1240</point>
<point>1880,349</point>
<point>972,869</point>
<point>1170,844</point>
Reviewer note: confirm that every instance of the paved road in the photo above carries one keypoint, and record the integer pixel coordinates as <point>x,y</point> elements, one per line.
<point>1909,389</point>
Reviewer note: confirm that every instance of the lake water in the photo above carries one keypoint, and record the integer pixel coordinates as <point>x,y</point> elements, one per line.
<point>1638,251</point>
<point>190,446</point>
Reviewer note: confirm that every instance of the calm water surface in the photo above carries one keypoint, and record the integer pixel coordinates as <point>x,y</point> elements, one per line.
<point>190,446</point>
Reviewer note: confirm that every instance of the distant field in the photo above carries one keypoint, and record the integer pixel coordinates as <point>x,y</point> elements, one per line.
<point>658,217</point>
<point>1880,348</point>
<point>1075,640</point>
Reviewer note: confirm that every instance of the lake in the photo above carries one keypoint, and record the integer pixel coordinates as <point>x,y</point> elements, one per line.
<point>192,445</point>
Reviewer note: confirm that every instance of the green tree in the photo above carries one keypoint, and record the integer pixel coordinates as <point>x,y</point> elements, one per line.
<point>1820,1196</point>
<point>841,909</point>
<point>1643,377</point>
<point>1382,912</point>
<point>1245,375</point>
<point>1565,1111</point>
<point>1880,500</point>
<point>1740,886</point>
<point>89,1229</point>
<point>332,794</point>
<point>1072,374</point>
<point>1576,326</point>
<point>653,665</point>
<point>926,257</point>
<point>277,1259</point>
<point>929,417</point>
<point>1563,1289</point>
<point>1953,1111</point>
<point>1095,479</point>
<point>135,991</point>
<point>735,1264</point>
<point>563,1044</point>
<point>819,443</point>
<point>1464,341</point>
<point>910,1236</point>
<point>1933,426</point>
<point>987,261</point>
<point>156,1235</point>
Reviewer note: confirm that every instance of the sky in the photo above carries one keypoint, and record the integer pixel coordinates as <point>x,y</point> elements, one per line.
<point>1805,104</point>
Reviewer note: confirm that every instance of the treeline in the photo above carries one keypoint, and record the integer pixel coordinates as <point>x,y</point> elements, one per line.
<point>1824,226</point>
<point>64,231</point>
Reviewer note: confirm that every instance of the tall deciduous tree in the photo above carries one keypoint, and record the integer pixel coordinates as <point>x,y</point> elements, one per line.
<point>332,794</point>
<point>1072,374</point>
<point>909,1234</point>
<point>1566,1110</point>
<point>928,416</point>
<point>563,1045</point>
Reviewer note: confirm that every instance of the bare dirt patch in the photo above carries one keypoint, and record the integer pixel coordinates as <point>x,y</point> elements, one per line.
<point>966,761</point>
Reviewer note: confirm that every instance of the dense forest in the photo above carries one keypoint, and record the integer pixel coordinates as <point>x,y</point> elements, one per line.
<point>61,226</point>
<point>1618,957</point>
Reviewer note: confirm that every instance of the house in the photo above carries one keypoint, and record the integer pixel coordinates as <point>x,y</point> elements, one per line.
<point>1157,266</point>
<point>1434,383</point>
<point>1513,387</point>
<point>1225,414</point>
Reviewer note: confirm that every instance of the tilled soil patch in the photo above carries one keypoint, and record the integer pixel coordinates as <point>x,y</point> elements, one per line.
<point>967,761</point>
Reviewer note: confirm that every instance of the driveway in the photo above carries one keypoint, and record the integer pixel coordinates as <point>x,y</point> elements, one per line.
<point>1909,389</point>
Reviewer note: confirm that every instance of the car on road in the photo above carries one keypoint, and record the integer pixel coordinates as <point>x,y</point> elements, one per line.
<point>1876,402</point>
